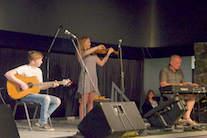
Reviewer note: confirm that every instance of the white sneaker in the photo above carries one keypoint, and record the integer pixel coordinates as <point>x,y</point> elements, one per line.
<point>38,123</point>
<point>46,127</point>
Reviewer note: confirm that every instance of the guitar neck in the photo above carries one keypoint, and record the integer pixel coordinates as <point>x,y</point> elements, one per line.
<point>47,83</point>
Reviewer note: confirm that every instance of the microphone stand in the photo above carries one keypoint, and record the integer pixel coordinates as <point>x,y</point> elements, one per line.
<point>47,57</point>
<point>122,72</point>
<point>85,72</point>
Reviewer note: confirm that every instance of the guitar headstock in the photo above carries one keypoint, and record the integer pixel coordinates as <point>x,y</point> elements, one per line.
<point>67,82</point>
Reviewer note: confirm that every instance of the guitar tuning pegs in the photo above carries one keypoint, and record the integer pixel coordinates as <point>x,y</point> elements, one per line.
<point>67,82</point>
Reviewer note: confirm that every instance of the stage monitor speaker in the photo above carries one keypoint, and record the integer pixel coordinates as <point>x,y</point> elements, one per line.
<point>112,120</point>
<point>166,114</point>
<point>8,127</point>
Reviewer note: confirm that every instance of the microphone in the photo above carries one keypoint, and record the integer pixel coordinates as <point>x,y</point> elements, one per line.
<point>120,41</point>
<point>70,34</point>
<point>67,32</point>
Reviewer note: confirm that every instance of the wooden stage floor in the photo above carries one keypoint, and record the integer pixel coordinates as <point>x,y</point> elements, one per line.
<point>67,128</point>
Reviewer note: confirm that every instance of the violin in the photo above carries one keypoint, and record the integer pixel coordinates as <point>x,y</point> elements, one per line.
<point>104,51</point>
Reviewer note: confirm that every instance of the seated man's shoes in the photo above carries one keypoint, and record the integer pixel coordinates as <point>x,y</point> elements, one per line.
<point>189,121</point>
<point>181,121</point>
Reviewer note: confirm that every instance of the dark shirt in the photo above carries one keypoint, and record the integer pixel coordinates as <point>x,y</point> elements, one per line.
<point>147,105</point>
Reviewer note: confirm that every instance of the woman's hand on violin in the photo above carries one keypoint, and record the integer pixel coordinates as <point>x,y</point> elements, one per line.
<point>111,50</point>
<point>101,47</point>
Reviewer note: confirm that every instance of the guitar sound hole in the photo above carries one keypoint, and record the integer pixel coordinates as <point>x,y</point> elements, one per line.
<point>30,85</point>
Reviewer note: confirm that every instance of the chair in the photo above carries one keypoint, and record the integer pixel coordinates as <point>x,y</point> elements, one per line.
<point>2,99</point>
<point>26,105</point>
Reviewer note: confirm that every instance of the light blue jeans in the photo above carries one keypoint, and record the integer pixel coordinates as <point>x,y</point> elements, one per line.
<point>47,106</point>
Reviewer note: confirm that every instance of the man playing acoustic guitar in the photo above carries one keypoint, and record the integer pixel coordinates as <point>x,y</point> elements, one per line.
<point>48,103</point>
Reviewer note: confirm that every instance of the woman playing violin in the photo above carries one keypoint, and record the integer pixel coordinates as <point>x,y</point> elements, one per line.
<point>90,60</point>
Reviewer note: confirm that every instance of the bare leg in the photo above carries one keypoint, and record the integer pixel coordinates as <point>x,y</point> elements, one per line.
<point>81,106</point>
<point>90,101</point>
<point>190,102</point>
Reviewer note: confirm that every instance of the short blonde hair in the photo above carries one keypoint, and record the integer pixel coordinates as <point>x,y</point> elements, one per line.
<point>34,55</point>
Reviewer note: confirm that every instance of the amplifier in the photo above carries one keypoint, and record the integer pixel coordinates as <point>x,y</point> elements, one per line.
<point>166,114</point>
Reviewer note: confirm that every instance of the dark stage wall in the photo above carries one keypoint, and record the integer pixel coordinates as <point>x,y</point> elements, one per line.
<point>17,40</point>
<point>63,64</point>
<point>66,66</point>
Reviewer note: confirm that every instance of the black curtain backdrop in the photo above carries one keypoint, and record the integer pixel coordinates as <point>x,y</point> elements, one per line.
<point>63,66</point>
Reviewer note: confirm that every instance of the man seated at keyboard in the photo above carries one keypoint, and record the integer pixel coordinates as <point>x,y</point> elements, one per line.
<point>173,75</point>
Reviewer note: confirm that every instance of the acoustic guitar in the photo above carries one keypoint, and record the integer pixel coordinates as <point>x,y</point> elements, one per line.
<point>15,92</point>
